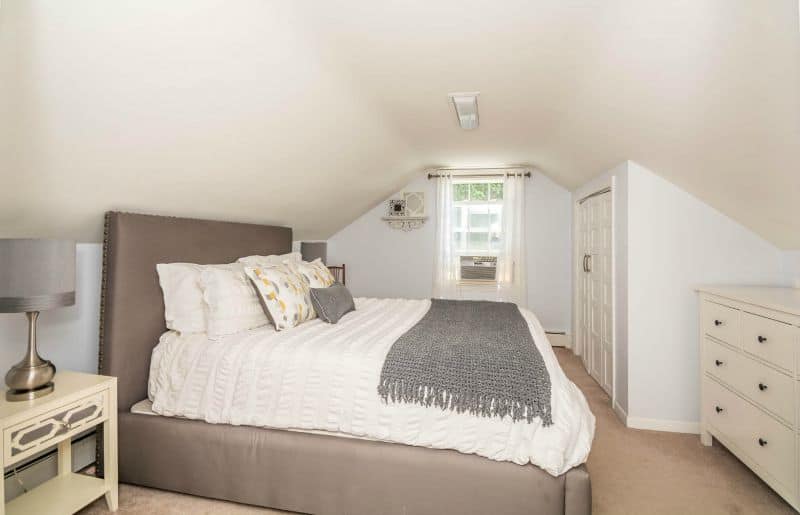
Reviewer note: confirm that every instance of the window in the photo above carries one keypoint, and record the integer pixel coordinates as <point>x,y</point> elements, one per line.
<point>477,227</point>
<point>480,232</point>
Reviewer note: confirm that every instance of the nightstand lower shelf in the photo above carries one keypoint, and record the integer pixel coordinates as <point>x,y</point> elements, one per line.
<point>72,492</point>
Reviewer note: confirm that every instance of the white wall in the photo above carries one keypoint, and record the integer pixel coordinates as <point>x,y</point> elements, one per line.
<point>677,242</point>
<point>791,267</point>
<point>385,262</point>
<point>67,336</point>
<point>548,232</point>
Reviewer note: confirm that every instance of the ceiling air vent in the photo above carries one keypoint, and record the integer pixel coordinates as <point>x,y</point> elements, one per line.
<point>466,105</point>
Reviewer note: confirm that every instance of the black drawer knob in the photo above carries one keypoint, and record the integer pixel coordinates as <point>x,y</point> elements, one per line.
<point>718,362</point>
<point>762,339</point>
<point>762,386</point>
<point>719,410</point>
<point>762,442</point>
<point>717,323</point>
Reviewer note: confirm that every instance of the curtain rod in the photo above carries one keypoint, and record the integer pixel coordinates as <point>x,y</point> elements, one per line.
<point>489,171</point>
<point>596,193</point>
<point>496,174</point>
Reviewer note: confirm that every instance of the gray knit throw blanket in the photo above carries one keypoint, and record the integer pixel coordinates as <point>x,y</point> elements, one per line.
<point>472,356</point>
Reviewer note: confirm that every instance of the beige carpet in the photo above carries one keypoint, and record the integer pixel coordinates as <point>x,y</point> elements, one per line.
<point>633,472</point>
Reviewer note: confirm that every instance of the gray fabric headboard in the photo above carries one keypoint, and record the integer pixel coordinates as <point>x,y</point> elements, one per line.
<point>132,308</point>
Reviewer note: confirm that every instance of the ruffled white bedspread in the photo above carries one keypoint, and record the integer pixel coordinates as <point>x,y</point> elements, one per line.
<point>323,377</point>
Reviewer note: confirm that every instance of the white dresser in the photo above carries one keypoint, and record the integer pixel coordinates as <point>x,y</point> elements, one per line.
<point>750,348</point>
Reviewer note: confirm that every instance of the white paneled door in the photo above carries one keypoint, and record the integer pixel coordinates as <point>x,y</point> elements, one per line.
<point>595,291</point>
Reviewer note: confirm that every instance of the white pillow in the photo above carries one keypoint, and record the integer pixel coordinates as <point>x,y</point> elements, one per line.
<point>231,302</point>
<point>284,294</point>
<point>184,309</point>
<point>270,260</point>
<point>316,274</point>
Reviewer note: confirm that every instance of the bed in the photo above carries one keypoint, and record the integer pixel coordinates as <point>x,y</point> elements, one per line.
<point>289,470</point>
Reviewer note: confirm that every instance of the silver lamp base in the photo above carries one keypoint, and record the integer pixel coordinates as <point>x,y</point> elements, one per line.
<point>29,395</point>
<point>33,376</point>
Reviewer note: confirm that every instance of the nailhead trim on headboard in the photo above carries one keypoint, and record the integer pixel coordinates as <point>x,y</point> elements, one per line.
<point>103,286</point>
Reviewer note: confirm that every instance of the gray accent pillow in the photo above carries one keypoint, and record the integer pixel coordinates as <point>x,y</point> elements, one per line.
<point>333,302</point>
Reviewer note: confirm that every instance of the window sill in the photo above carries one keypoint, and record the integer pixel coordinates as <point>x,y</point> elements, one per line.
<point>477,282</point>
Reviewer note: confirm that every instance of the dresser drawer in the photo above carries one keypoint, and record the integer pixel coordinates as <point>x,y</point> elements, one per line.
<point>758,435</point>
<point>769,340</point>
<point>26,438</point>
<point>721,322</point>
<point>723,363</point>
<point>765,386</point>
<point>721,407</point>
<point>769,388</point>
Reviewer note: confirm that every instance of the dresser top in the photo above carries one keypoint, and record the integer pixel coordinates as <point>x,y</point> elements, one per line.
<point>771,297</point>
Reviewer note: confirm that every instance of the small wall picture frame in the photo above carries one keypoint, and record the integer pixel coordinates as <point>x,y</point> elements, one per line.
<point>415,203</point>
<point>397,207</point>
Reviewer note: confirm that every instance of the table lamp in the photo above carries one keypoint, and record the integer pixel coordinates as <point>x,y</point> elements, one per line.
<point>35,275</point>
<point>311,250</point>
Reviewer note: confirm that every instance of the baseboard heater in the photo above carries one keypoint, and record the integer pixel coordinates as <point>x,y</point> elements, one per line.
<point>558,338</point>
<point>26,476</point>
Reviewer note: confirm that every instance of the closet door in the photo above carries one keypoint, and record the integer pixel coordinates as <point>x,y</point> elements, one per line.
<point>596,293</point>
<point>595,289</point>
<point>584,347</point>
<point>602,275</point>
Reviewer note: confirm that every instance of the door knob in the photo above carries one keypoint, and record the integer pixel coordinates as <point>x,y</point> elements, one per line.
<point>762,386</point>
<point>718,409</point>
<point>717,323</point>
<point>762,339</point>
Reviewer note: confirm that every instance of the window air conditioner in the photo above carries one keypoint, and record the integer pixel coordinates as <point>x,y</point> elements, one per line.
<point>478,268</point>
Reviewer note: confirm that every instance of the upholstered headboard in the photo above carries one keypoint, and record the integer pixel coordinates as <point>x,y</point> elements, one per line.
<point>132,310</point>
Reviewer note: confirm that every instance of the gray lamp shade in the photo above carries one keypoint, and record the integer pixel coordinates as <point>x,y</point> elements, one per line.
<point>312,250</point>
<point>36,275</point>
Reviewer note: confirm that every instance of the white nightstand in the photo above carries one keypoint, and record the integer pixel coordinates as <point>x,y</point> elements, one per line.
<point>79,402</point>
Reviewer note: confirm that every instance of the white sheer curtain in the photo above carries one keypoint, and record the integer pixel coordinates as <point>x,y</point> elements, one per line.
<point>445,277</point>
<point>511,285</point>
<point>511,281</point>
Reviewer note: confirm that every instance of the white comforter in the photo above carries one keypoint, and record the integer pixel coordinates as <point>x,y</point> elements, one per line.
<point>324,377</point>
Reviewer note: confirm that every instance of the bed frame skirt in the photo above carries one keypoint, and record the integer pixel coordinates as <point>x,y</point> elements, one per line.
<point>321,474</point>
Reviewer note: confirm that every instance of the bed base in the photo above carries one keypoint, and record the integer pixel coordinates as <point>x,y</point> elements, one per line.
<point>331,475</point>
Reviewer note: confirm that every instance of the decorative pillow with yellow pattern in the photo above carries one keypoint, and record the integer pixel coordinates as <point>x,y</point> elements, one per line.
<point>284,294</point>
<point>315,273</point>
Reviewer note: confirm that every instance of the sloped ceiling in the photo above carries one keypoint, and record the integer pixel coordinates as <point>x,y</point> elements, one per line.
<point>308,113</point>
